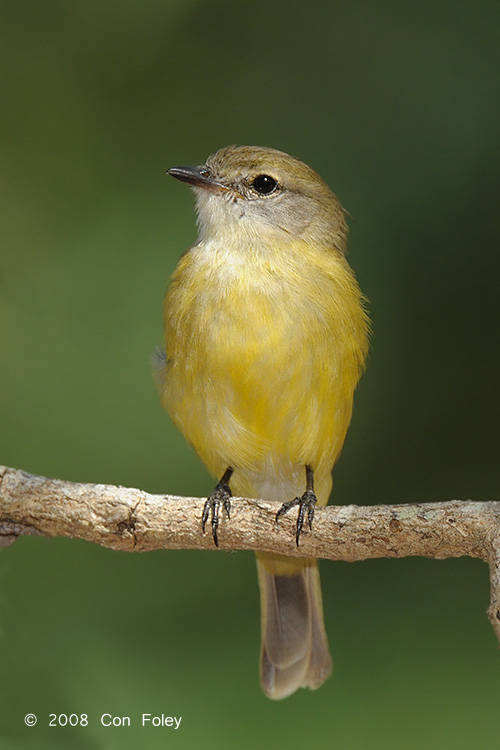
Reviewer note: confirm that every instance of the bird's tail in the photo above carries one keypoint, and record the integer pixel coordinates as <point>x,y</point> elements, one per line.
<point>294,650</point>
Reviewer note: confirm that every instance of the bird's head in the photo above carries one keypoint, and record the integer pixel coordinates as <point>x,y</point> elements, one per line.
<point>263,194</point>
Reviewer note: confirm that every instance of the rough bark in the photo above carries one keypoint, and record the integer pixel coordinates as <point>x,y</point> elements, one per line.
<point>132,520</point>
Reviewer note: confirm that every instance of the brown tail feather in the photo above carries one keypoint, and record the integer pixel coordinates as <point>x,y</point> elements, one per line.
<point>294,651</point>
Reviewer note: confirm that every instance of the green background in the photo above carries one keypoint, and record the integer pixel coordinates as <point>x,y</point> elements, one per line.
<point>397,105</point>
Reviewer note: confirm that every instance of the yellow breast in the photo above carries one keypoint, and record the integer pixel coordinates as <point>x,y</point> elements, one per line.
<point>264,347</point>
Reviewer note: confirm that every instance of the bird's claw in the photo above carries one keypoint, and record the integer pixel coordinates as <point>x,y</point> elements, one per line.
<point>220,497</point>
<point>307,504</point>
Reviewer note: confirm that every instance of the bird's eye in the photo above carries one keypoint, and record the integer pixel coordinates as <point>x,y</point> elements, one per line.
<point>264,184</point>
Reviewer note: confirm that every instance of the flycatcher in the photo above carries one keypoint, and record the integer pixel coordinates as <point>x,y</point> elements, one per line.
<point>266,336</point>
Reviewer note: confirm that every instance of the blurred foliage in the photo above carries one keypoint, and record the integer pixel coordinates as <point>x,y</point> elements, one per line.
<point>397,106</point>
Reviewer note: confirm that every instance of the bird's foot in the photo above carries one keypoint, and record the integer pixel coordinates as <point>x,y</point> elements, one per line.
<point>307,504</point>
<point>219,498</point>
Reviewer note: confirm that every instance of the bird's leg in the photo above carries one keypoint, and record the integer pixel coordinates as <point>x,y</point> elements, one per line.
<point>306,503</point>
<point>219,497</point>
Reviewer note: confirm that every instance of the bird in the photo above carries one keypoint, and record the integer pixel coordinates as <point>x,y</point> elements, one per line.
<point>266,337</point>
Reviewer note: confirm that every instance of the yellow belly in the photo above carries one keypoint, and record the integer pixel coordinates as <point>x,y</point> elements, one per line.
<point>262,358</point>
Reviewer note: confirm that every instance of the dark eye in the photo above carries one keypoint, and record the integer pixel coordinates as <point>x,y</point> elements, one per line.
<point>264,185</point>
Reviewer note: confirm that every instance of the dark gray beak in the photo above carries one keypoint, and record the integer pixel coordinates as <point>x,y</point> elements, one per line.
<point>196,176</point>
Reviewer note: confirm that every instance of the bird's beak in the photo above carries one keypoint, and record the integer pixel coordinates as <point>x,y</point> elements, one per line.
<point>196,176</point>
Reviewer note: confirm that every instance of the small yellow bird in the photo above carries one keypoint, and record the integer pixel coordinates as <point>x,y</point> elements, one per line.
<point>266,335</point>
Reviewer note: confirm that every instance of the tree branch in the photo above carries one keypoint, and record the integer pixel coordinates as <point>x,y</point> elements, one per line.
<point>134,521</point>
